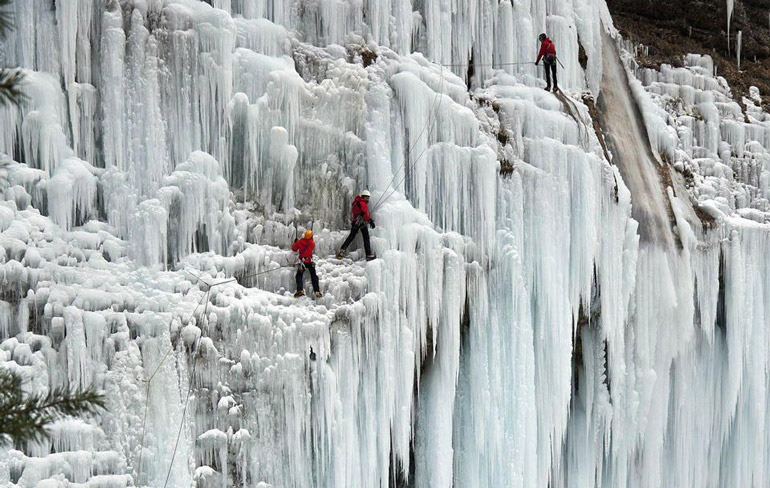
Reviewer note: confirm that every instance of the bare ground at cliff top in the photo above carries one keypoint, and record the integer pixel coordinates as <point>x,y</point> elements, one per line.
<point>668,45</point>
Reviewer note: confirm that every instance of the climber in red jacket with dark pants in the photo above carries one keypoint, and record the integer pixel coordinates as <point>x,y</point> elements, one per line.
<point>548,53</point>
<point>304,249</point>
<point>361,219</point>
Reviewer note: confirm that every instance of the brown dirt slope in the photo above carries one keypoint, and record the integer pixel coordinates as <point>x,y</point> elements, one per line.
<point>673,29</point>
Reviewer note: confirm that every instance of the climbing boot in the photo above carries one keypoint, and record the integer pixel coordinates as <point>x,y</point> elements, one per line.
<point>300,293</point>
<point>548,88</point>
<point>340,254</point>
<point>371,257</point>
<point>318,294</point>
<point>555,88</point>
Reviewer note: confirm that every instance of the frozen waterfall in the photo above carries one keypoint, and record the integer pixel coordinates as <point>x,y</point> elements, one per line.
<point>597,317</point>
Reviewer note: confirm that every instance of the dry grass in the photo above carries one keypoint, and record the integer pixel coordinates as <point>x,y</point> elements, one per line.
<point>668,44</point>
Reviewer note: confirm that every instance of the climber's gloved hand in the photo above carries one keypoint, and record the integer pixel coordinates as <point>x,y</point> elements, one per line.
<point>536,62</point>
<point>371,224</point>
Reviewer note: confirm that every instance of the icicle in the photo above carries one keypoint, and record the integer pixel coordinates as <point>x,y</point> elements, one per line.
<point>730,5</point>
<point>72,193</point>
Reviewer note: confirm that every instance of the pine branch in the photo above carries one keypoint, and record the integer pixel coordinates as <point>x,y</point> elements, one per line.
<point>6,17</point>
<point>10,387</point>
<point>11,81</point>
<point>25,419</point>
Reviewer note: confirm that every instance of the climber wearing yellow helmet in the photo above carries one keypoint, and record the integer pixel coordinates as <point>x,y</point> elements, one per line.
<point>304,249</point>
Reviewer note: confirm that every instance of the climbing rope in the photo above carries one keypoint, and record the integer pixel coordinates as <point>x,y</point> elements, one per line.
<point>189,389</point>
<point>383,198</point>
<point>195,363</point>
<point>486,65</point>
<point>160,364</point>
<point>205,299</point>
<point>147,393</point>
<point>573,112</point>
<point>388,193</point>
<point>434,111</point>
<point>230,280</point>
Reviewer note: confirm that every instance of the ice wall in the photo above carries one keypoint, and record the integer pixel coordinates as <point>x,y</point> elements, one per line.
<point>514,330</point>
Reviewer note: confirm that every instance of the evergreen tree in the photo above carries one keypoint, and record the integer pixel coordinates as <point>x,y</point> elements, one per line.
<point>24,418</point>
<point>11,79</point>
<point>6,18</point>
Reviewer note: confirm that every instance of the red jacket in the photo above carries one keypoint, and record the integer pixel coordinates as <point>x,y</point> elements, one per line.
<point>360,210</point>
<point>304,247</point>
<point>547,47</point>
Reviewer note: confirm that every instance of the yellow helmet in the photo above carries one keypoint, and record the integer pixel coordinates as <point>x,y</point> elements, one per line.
<point>308,234</point>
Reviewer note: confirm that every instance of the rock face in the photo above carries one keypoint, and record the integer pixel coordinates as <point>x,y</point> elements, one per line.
<point>571,289</point>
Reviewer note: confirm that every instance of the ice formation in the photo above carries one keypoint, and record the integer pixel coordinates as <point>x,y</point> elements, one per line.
<point>521,328</point>
<point>730,6</point>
